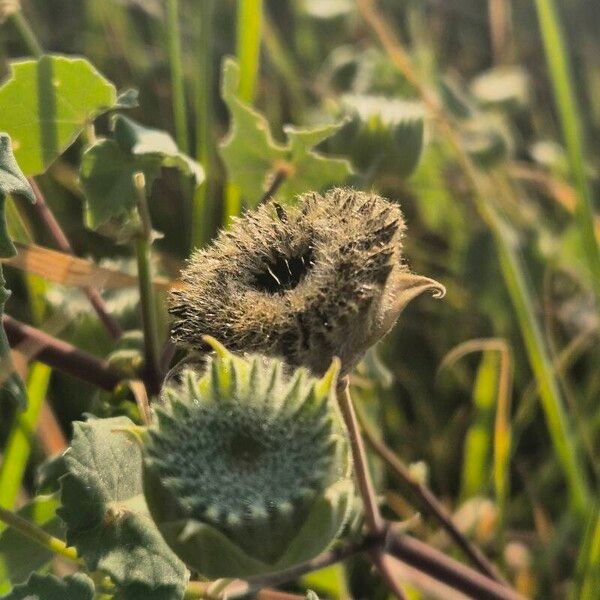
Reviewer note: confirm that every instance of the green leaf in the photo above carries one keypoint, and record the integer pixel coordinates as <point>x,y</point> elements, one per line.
<point>148,143</point>
<point>19,555</point>
<point>106,515</point>
<point>46,104</point>
<point>330,581</point>
<point>106,176</point>
<point>48,587</point>
<point>108,168</point>
<point>252,157</point>
<point>12,181</point>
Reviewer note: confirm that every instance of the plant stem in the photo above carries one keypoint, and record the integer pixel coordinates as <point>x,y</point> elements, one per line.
<point>367,492</point>
<point>55,231</point>
<point>573,132</point>
<point>375,524</point>
<point>38,535</point>
<point>177,79</point>
<point>409,550</point>
<point>27,34</point>
<point>143,249</point>
<point>381,561</point>
<point>511,266</point>
<point>278,178</point>
<point>60,355</point>
<point>202,204</point>
<point>429,502</point>
<point>437,565</point>
<point>249,29</point>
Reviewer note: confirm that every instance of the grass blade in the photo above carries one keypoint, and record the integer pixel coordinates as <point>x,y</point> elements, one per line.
<point>202,203</point>
<point>588,567</point>
<point>177,79</point>
<point>572,130</point>
<point>249,28</point>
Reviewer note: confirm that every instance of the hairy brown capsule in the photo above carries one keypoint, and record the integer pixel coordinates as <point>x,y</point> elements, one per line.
<point>324,278</point>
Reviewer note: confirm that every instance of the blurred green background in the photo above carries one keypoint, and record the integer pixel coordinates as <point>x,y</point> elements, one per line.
<point>457,394</point>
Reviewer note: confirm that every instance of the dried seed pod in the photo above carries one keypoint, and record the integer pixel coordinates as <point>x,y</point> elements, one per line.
<point>248,469</point>
<point>325,278</point>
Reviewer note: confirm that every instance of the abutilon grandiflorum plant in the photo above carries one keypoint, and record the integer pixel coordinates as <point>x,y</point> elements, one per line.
<point>247,468</point>
<point>323,278</point>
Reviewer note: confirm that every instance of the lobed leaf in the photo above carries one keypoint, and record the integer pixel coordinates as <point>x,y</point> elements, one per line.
<point>252,157</point>
<point>108,168</point>
<point>106,515</point>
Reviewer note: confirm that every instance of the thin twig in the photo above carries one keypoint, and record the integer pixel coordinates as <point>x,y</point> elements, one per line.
<point>278,178</point>
<point>61,355</point>
<point>37,534</point>
<point>436,564</point>
<point>376,525</point>
<point>431,504</point>
<point>373,516</point>
<point>143,245</point>
<point>55,231</point>
<point>381,561</point>
<point>417,554</point>
<point>138,389</point>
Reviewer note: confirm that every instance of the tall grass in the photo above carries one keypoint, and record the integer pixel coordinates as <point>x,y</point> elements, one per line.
<point>513,269</point>
<point>177,79</point>
<point>248,32</point>
<point>573,132</point>
<point>203,200</point>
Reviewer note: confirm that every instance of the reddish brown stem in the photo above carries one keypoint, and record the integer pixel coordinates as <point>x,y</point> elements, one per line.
<point>361,468</point>
<point>436,564</point>
<point>60,239</point>
<point>60,355</point>
<point>431,504</point>
<point>278,178</point>
<point>375,523</point>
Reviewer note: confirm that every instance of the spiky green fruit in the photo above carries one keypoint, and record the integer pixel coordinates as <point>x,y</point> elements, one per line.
<point>306,283</point>
<point>248,468</point>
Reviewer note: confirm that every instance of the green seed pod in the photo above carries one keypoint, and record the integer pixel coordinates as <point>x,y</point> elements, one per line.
<point>325,278</point>
<point>385,136</point>
<point>248,468</point>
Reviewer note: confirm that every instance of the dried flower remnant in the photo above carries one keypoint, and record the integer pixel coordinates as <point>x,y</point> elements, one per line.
<point>248,469</point>
<point>322,279</point>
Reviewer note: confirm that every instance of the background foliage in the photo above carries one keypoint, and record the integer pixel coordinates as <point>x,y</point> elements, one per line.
<point>492,394</point>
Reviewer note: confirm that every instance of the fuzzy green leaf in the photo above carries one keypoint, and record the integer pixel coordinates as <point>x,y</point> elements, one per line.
<point>46,104</point>
<point>252,157</point>
<point>106,175</point>
<point>49,587</point>
<point>12,181</point>
<point>19,555</point>
<point>107,518</point>
<point>108,168</point>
